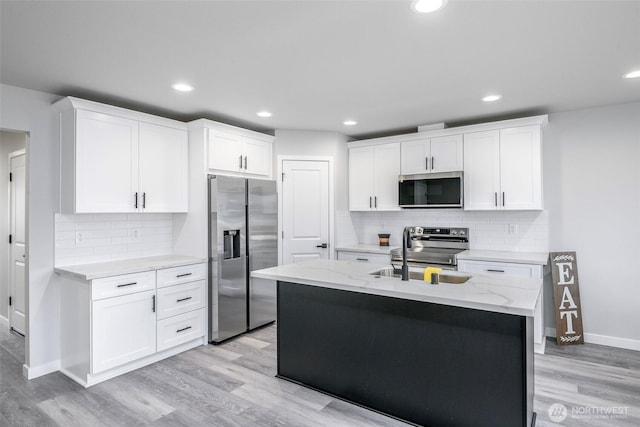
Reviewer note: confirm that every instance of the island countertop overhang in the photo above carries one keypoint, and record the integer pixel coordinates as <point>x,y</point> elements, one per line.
<point>508,295</point>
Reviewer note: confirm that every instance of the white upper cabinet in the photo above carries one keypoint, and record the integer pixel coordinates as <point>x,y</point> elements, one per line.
<point>373,177</point>
<point>429,155</point>
<point>503,169</point>
<point>163,168</point>
<point>239,151</point>
<point>117,160</point>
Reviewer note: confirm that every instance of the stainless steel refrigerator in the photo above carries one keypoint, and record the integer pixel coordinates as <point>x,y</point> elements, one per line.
<point>243,228</point>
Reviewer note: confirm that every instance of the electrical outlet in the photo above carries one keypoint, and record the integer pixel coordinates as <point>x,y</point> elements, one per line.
<point>78,237</point>
<point>513,229</point>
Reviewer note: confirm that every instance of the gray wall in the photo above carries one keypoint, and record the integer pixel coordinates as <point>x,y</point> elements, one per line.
<point>29,111</point>
<point>9,142</point>
<point>592,193</point>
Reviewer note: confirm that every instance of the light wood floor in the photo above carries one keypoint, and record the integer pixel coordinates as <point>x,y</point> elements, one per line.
<point>234,385</point>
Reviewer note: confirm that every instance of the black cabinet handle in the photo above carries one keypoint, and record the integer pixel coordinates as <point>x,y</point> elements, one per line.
<point>126,284</point>
<point>426,163</point>
<point>375,202</point>
<point>135,203</point>
<point>370,204</point>
<point>323,246</point>
<point>183,299</point>
<point>495,271</point>
<point>144,200</point>
<point>245,162</point>
<point>240,162</point>
<point>432,164</point>
<point>503,198</point>
<point>362,259</point>
<point>495,198</point>
<point>153,304</point>
<point>183,329</point>
<point>184,275</point>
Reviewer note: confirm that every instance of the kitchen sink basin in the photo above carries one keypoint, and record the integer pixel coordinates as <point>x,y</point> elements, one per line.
<point>419,275</point>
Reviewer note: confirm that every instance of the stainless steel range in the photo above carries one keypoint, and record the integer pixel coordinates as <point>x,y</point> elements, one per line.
<point>433,247</point>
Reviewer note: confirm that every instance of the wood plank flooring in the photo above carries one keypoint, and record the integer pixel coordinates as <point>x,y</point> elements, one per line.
<point>234,385</point>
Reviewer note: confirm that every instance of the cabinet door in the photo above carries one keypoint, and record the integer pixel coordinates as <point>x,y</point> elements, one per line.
<point>481,170</point>
<point>446,154</point>
<point>521,168</point>
<point>225,151</point>
<point>106,163</point>
<point>415,156</point>
<point>163,169</point>
<point>361,178</point>
<point>123,329</point>
<point>256,156</point>
<point>387,169</point>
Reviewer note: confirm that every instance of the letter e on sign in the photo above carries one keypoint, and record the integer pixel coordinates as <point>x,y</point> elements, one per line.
<point>566,297</point>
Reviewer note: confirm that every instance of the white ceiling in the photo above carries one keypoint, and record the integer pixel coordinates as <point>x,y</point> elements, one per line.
<point>316,63</point>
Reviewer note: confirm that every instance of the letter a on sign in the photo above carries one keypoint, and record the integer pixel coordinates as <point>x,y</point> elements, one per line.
<point>566,298</point>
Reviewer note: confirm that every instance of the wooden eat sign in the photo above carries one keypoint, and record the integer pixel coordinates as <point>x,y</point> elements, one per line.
<point>566,298</point>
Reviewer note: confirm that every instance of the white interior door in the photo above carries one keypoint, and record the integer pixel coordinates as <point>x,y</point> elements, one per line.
<point>305,210</point>
<point>17,219</point>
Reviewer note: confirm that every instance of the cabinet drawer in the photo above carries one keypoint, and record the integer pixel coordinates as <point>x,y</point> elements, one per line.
<point>179,329</point>
<point>183,274</point>
<point>364,257</point>
<point>500,268</point>
<point>124,284</point>
<point>178,299</point>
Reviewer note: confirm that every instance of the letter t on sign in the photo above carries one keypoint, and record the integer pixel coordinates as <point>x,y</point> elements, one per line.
<point>566,296</point>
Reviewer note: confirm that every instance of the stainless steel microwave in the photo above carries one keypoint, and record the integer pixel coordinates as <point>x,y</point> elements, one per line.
<point>431,190</point>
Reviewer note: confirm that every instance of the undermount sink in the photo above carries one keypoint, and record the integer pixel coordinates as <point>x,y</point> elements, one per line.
<point>419,275</point>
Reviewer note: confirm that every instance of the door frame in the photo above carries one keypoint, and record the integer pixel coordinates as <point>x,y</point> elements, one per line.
<point>12,155</point>
<point>329,160</point>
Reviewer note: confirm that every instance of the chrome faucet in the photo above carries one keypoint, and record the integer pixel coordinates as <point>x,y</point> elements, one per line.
<point>406,243</point>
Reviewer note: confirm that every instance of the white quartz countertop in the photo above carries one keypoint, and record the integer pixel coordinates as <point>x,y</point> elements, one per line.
<point>125,266</point>
<point>510,295</point>
<point>539,258</point>
<point>370,249</point>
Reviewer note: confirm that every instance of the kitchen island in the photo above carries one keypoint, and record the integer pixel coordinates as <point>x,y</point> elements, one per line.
<point>447,354</point>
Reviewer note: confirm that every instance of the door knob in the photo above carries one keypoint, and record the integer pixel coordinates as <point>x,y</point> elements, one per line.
<point>323,246</point>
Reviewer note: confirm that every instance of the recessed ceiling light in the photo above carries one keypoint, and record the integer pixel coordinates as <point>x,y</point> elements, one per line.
<point>427,6</point>
<point>491,98</point>
<point>182,87</point>
<point>349,123</point>
<point>632,75</point>
<point>264,114</point>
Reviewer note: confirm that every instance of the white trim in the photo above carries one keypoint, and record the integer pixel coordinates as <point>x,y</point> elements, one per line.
<point>38,371</point>
<point>526,121</point>
<point>4,321</point>
<point>607,340</point>
<point>612,341</point>
<point>332,212</point>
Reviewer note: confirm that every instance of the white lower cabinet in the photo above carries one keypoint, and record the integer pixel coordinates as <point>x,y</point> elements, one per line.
<point>123,329</point>
<point>534,271</point>
<point>364,257</point>
<point>116,324</point>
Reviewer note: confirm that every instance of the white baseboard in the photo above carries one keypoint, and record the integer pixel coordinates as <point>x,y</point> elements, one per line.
<point>603,340</point>
<point>612,341</point>
<point>31,372</point>
<point>4,321</point>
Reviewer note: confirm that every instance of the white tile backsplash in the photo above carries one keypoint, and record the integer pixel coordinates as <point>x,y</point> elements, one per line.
<point>84,239</point>
<point>488,230</point>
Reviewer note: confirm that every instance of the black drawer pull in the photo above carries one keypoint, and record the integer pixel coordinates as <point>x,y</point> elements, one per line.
<point>127,284</point>
<point>495,271</point>
<point>362,259</point>
<point>183,299</point>
<point>183,329</point>
<point>184,275</point>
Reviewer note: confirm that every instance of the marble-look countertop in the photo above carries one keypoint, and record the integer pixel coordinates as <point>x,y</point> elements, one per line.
<point>502,294</point>
<point>539,258</point>
<point>125,266</point>
<point>370,249</point>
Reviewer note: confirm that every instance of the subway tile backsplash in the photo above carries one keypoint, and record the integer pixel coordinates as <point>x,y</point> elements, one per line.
<point>519,231</point>
<point>84,239</point>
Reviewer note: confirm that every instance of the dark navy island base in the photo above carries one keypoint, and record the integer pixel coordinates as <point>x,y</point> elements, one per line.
<point>424,363</point>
